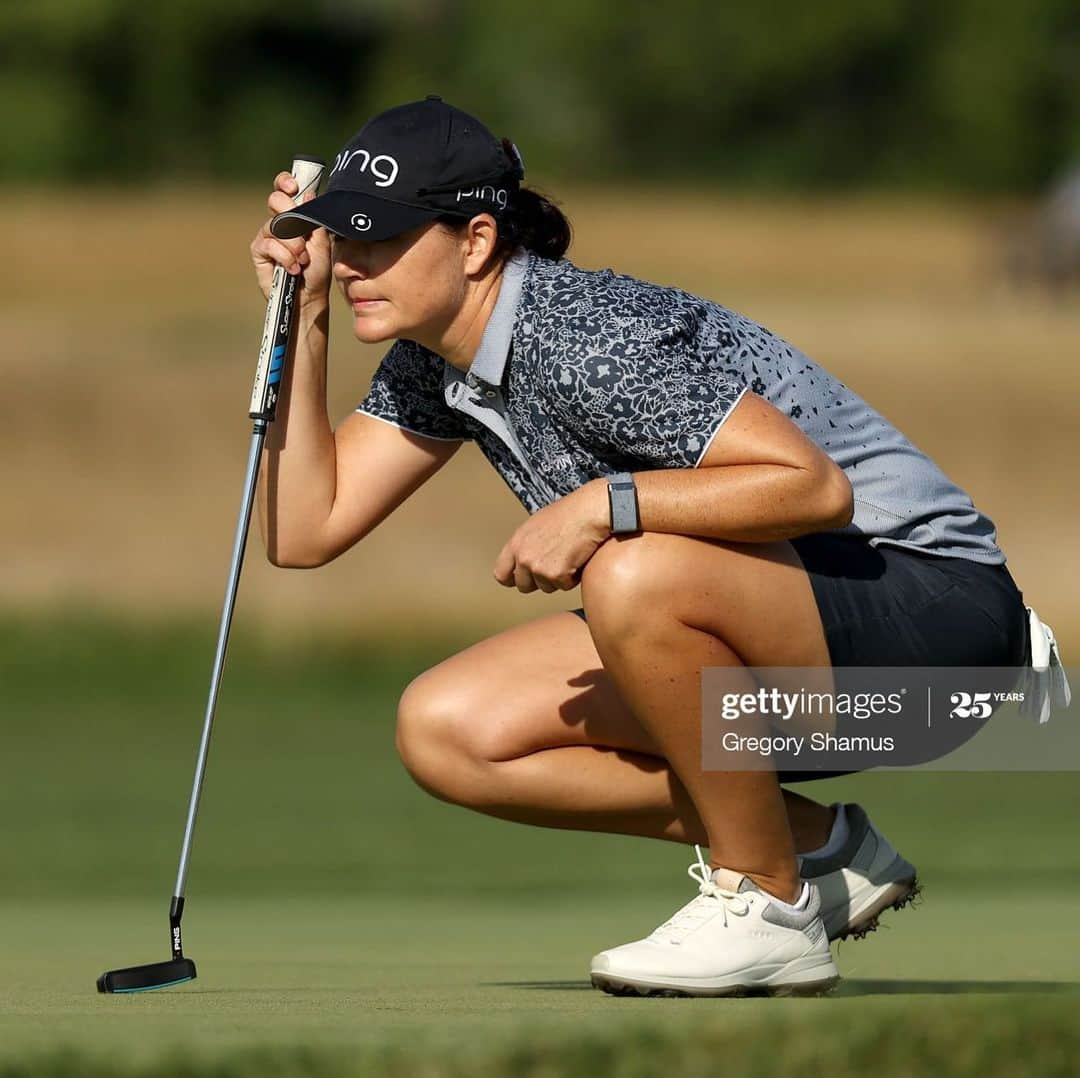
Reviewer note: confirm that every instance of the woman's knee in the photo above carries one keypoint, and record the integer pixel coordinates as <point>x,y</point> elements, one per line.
<point>441,735</point>
<point>628,579</point>
<point>428,730</point>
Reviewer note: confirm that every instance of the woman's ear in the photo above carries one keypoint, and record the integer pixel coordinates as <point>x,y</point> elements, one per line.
<point>482,237</point>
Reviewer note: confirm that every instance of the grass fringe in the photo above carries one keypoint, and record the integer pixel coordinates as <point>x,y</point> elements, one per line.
<point>973,1038</point>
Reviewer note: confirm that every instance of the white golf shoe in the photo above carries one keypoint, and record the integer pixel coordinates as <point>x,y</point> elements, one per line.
<point>861,880</point>
<point>733,939</point>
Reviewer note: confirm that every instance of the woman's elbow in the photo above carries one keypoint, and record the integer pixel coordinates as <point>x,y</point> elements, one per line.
<point>838,499</point>
<point>293,559</point>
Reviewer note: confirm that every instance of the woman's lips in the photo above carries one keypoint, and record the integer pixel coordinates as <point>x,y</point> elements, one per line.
<point>365,304</point>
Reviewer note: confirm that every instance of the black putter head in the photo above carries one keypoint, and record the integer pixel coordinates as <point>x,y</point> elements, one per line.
<point>146,978</point>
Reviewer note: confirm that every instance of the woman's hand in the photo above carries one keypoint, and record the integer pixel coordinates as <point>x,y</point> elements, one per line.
<point>549,550</point>
<point>310,256</point>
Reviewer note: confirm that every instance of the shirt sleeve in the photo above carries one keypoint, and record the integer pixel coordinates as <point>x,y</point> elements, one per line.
<point>655,402</point>
<point>407,392</point>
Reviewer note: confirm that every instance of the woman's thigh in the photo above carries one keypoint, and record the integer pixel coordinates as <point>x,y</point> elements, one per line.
<point>537,685</point>
<point>755,597</point>
<point>543,685</point>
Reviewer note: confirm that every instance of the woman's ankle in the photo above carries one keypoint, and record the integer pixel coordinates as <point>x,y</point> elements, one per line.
<point>788,889</point>
<point>811,825</point>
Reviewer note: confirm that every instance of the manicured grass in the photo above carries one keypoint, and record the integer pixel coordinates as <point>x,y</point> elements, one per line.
<point>345,922</point>
<point>458,979</point>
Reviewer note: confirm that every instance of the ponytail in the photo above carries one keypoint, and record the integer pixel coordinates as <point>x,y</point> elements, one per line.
<point>534,222</point>
<point>531,221</point>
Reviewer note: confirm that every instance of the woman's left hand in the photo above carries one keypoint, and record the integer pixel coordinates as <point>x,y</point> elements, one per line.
<point>549,550</point>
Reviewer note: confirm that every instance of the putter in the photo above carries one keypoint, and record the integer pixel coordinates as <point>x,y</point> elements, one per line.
<point>277,330</point>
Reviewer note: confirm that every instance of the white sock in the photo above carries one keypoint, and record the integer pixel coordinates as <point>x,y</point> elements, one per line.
<point>799,903</point>
<point>837,836</point>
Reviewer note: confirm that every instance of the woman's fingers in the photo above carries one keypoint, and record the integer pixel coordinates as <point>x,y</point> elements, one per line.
<point>297,247</point>
<point>284,193</point>
<point>310,253</point>
<point>278,202</point>
<point>523,579</point>
<point>267,248</point>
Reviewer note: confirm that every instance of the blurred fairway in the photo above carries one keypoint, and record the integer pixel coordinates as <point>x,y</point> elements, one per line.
<point>345,922</point>
<point>132,321</point>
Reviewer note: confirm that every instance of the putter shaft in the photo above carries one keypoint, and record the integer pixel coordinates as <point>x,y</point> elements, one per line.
<point>250,481</point>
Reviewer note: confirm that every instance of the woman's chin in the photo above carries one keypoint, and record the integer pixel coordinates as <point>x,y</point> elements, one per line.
<point>371,330</point>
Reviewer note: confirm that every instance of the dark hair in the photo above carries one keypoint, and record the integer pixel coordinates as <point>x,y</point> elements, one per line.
<point>532,221</point>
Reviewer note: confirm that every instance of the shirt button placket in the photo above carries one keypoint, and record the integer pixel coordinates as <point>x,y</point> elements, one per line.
<point>498,405</point>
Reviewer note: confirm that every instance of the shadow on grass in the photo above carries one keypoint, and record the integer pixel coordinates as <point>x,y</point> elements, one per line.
<point>860,986</point>
<point>848,987</point>
<point>554,986</point>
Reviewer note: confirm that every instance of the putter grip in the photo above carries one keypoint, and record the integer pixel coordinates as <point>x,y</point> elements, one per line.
<point>279,310</point>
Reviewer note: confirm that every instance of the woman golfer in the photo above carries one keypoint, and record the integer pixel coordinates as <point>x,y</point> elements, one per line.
<point>721,499</point>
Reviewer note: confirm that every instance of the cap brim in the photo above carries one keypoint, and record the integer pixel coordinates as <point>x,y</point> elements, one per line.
<point>351,214</point>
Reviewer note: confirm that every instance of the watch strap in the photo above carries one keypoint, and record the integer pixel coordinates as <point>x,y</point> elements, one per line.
<point>622,499</point>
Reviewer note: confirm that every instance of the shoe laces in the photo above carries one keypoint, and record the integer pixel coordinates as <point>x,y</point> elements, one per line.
<point>712,899</point>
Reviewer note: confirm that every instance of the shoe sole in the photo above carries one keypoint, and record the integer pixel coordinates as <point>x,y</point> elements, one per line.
<point>620,986</point>
<point>896,897</point>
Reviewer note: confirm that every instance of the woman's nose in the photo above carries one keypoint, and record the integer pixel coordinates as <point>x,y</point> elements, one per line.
<point>347,269</point>
<point>349,260</point>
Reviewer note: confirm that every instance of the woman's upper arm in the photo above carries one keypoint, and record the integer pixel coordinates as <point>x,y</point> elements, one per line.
<point>400,435</point>
<point>378,466</point>
<point>756,432</point>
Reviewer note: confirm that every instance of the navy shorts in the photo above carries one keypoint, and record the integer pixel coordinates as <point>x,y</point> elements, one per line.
<point>888,606</point>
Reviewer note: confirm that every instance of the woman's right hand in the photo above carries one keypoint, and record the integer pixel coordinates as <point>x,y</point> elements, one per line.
<point>310,255</point>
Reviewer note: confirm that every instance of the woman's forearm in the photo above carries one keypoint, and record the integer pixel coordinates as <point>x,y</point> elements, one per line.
<point>298,476</point>
<point>748,503</point>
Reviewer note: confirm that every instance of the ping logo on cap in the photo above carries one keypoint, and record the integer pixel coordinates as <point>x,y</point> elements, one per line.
<point>487,193</point>
<point>382,167</point>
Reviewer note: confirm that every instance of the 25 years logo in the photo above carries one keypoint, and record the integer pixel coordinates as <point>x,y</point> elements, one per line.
<point>976,705</point>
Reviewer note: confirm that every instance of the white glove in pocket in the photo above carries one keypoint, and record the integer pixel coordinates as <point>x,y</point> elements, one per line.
<point>1043,682</point>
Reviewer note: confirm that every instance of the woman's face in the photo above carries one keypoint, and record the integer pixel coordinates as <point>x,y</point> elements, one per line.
<point>411,285</point>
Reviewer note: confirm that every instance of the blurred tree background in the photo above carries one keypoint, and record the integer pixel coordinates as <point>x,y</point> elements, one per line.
<point>979,96</point>
<point>861,176</point>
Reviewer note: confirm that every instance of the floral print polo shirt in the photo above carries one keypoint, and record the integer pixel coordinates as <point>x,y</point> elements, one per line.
<point>584,373</point>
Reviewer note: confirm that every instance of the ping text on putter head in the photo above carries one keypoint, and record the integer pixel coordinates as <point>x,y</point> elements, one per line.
<point>277,331</point>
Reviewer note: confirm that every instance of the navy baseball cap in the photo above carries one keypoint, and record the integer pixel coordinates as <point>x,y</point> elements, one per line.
<point>408,165</point>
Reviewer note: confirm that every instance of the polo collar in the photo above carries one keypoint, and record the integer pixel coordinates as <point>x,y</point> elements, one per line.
<point>489,363</point>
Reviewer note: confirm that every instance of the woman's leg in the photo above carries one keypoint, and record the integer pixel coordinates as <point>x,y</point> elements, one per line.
<point>660,608</point>
<point>529,726</point>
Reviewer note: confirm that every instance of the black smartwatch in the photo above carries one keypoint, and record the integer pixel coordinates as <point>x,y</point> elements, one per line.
<point>622,500</point>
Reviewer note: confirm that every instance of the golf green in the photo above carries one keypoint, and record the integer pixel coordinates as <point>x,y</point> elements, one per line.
<point>344,921</point>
